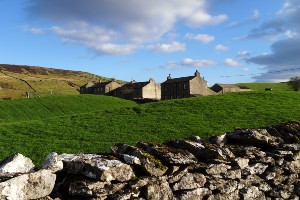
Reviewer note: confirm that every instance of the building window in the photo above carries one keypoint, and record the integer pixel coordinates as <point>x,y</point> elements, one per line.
<point>184,86</point>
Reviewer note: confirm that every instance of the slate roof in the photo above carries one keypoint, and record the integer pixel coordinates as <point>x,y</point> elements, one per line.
<point>101,84</point>
<point>136,85</point>
<point>228,86</point>
<point>89,84</point>
<point>182,79</point>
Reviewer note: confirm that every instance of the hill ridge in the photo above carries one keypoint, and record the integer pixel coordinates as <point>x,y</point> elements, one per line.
<point>21,81</point>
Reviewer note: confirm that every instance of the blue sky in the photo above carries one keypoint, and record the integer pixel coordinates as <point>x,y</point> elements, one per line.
<point>228,41</point>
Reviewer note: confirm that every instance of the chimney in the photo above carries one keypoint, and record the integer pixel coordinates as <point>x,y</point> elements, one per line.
<point>169,77</point>
<point>151,80</point>
<point>197,73</point>
<point>133,81</point>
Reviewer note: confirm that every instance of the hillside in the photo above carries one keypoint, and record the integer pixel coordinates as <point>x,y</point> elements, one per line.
<point>278,87</point>
<point>92,123</point>
<point>16,80</point>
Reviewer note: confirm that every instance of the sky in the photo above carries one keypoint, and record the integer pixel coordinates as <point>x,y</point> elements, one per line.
<point>228,41</point>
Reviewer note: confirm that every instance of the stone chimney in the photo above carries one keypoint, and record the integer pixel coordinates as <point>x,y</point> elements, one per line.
<point>197,73</point>
<point>169,77</point>
<point>151,80</point>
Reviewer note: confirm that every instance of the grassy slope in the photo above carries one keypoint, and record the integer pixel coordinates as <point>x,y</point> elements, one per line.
<point>45,81</point>
<point>262,86</point>
<point>90,123</point>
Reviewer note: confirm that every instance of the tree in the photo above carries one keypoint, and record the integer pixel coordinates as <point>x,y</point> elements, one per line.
<point>294,83</point>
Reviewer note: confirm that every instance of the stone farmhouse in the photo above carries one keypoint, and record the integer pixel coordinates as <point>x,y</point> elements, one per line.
<point>184,87</point>
<point>172,88</point>
<point>227,88</point>
<point>139,90</point>
<point>100,88</point>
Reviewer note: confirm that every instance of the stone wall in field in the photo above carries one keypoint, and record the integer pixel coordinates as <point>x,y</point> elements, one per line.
<point>244,164</point>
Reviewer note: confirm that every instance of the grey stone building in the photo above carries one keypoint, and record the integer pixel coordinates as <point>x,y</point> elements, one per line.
<point>184,87</point>
<point>228,88</point>
<point>101,88</point>
<point>139,90</point>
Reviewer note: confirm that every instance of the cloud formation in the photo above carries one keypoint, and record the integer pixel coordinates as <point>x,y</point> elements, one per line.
<point>231,62</point>
<point>253,18</point>
<point>120,22</point>
<point>243,54</point>
<point>203,38</point>
<point>221,48</point>
<point>283,61</point>
<point>196,63</point>
<point>286,23</point>
<point>168,48</point>
<point>171,65</point>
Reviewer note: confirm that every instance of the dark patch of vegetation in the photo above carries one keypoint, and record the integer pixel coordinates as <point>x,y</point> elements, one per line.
<point>294,83</point>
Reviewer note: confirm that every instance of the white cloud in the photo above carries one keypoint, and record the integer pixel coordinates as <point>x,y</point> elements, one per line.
<point>168,48</point>
<point>285,23</point>
<point>283,61</point>
<point>204,38</point>
<point>115,49</point>
<point>243,54</point>
<point>33,30</point>
<point>84,34</point>
<point>246,69</point>
<point>253,18</point>
<point>119,22</point>
<point>171,65</point>
<point>202,18</point>
<point>221,48</point>
<point>231,62</point>
<point>196,63</point>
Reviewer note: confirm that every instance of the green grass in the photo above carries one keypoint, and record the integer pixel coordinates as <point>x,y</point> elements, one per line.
<point>91,124</point>
<point>278,87</point>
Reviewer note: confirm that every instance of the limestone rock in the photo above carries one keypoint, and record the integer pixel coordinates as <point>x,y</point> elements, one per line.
<point>146,161</point>
<point>97,167</point>
<point>291,147</point>
<point>255,137</point>
<point>28,186</point>
<point>196,194</point>
<point>252,193</point>
<point>201,149</point>
<point>233,174</point>
<point>242,162</point>
<point>293,166</point>
<point>257,168</point>
<point>220,140</point>
<point>223,186</point>
<point>90,189</point>
<point>221,196</point>
<point>53,162</point>
<point>190,181</point>
<point>15,164</point>
<point>250,180</point>
<point>158,190</point>
<point>168,155</point>
<point>215,169</point>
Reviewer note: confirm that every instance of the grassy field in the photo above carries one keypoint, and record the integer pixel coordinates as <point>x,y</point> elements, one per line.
<point>279,87</point>
<point>91,124</point>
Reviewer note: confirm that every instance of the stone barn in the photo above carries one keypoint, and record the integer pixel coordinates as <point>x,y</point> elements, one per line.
<point>101,88</point>
<point>184,87</point>
<point>139,90</point>
<point>227,88</point>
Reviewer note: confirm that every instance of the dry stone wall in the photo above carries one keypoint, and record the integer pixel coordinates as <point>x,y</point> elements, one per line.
<point>244,164</point>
